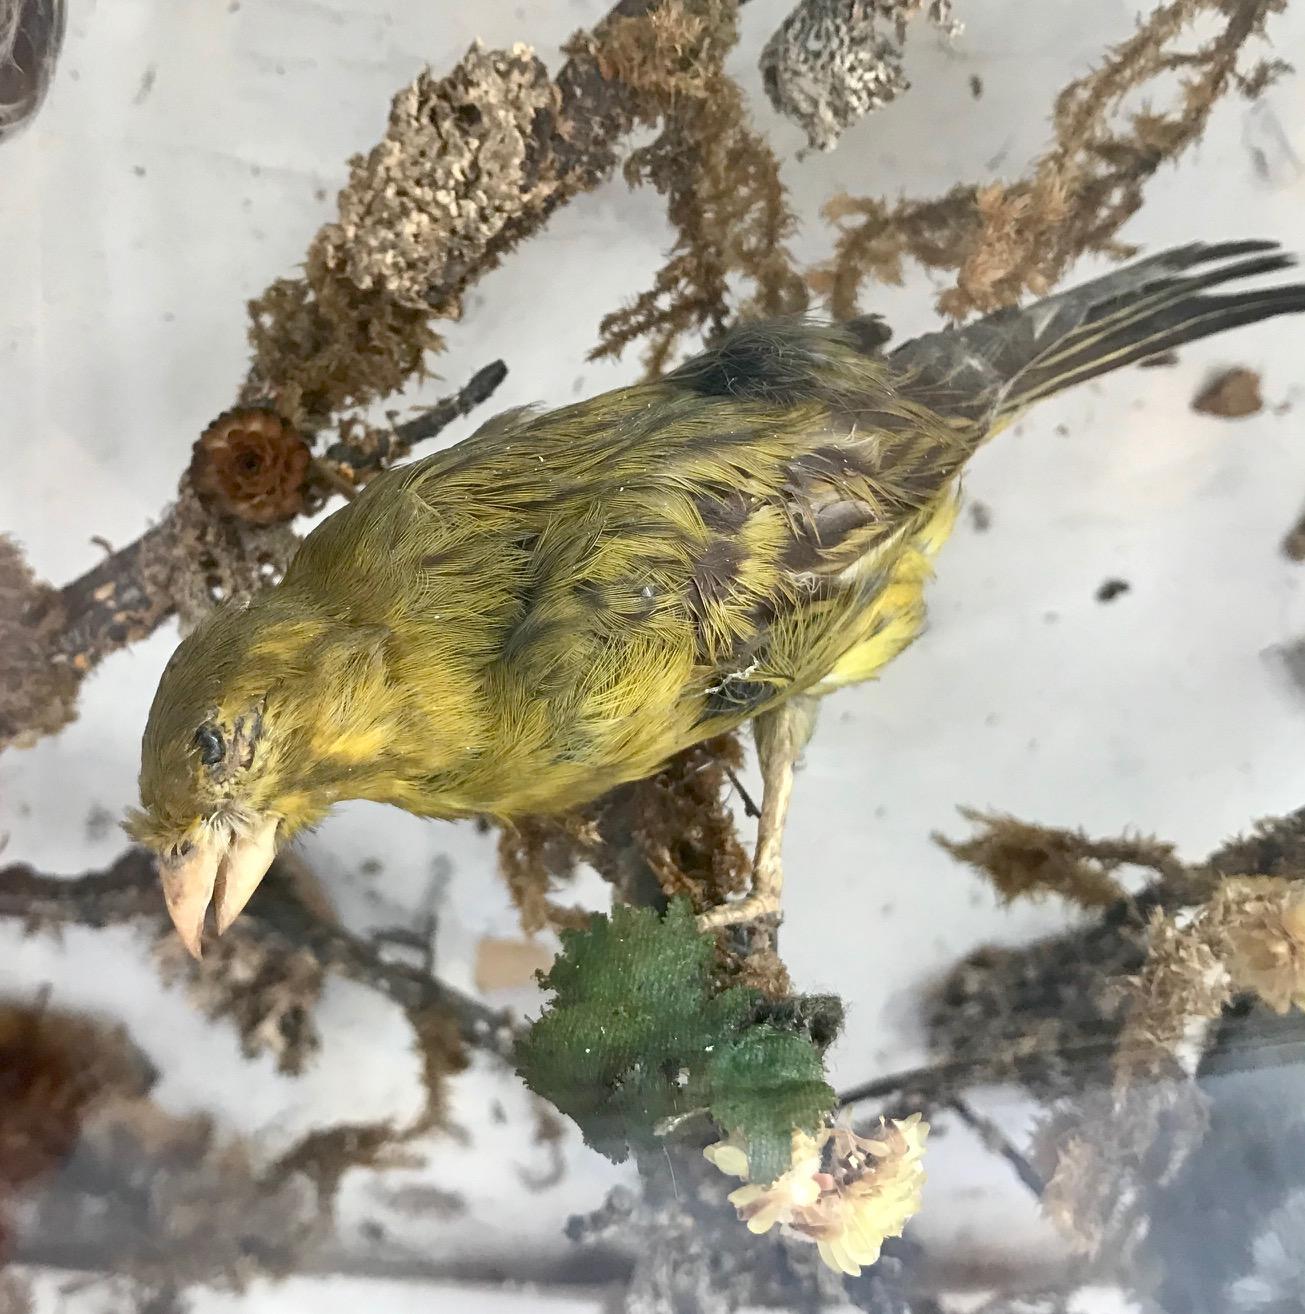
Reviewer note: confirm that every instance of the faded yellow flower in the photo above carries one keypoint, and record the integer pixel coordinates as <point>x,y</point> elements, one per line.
<point>761,1207</point>
<point>844,1192</point>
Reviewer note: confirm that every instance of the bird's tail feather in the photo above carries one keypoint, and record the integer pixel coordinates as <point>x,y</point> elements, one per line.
<point>990,370</point>
<point>1122,325</point>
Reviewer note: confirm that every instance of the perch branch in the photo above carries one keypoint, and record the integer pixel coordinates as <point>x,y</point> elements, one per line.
<point>128,891</point>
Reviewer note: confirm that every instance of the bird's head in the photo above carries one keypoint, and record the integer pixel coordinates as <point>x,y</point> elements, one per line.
<point>236,756</point>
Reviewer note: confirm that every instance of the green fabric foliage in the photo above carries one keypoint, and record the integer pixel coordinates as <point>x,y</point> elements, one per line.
<point>637,1032</point>
<point>765,1085</point>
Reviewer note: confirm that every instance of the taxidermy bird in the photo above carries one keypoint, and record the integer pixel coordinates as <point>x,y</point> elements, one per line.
<point>563,601</point>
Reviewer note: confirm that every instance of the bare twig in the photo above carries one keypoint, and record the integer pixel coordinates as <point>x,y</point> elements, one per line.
<point>404,437</point>
<point>996,1140</point>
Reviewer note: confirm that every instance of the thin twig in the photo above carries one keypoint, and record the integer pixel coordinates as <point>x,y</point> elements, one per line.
<point>479,388</point>
<point>996,1140</point>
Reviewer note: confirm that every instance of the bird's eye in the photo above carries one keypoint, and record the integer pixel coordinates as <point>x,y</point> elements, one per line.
<point>209,742</point>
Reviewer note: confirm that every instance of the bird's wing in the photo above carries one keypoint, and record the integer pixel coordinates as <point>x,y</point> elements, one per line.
<point>718,535</point>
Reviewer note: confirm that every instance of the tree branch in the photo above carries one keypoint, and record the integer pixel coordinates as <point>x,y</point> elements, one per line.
<point>276,919</point>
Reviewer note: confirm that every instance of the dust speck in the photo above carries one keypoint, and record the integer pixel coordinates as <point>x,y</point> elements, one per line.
<point>146,84</point>
<point>1112,589</point>
<point>99,823</point>
<point>1231,395</point>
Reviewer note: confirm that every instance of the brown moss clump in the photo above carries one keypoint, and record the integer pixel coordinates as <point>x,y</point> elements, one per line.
<point>1024,861</point>
<point>320,345</point>
<point>682,823</point>
<point>251,465</point>
<point>37,693</point>
<point>1005,240</point>
<point>536,855</point>
<point>672,834</point>
<point>55,1068</point>
<point>721,180</point>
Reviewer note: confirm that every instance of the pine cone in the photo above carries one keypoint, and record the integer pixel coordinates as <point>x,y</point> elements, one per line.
<point>252,465</point>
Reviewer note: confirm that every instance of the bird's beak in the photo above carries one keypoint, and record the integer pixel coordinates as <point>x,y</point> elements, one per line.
<point>223,869</point>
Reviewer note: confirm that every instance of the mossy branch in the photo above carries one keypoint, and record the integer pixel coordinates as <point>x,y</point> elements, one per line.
<point>1004,240</point>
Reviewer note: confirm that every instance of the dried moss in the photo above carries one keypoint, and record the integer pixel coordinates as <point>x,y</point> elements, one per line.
<point>37,694</point>
<point>1005,240</point>
<point>721,181</point>
<point>1025,861</point>
<point>685,829</point>
<point>55,1069</point>
<point>443,1055</point>
<point>267,992</point>
<point>1248,939</point>
<point>1104,1157</point>
<point>324,1157</point>
<point>457,163</point>
<point>176,1205</point>
<point>677,825</point>
<point>1273,847</point>
<point>203,561</point>
<point>1183,987</point>
<point>1115,1022</point>
<point>90,1156</point>
<point>536,855</point>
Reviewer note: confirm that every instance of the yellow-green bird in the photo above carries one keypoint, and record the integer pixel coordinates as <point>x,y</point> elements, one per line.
<point>566,599</point>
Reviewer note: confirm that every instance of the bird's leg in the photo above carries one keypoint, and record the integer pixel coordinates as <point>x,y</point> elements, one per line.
<point>781,734</point>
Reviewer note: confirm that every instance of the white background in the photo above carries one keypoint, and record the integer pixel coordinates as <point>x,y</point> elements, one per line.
<point>184,159</point>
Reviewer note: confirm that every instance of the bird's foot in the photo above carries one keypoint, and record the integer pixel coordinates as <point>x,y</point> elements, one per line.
<point>755,908</point>
<point>762,907</point>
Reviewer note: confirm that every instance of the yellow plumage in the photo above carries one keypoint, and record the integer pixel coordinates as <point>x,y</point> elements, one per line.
<point>565,600</point>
